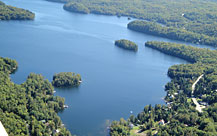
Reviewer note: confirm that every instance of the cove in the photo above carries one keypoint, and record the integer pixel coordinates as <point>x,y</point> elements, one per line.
<point>115,81</point>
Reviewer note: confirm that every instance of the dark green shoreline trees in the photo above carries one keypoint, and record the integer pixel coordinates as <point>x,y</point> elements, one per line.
<point>13,13</point>
<point>179,117</point>
<point>171,33</point>
<point>76,7</point>
<point>29,108</point>
<point>8,65</point>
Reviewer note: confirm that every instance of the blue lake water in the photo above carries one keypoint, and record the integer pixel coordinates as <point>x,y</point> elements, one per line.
<point>115,81</point>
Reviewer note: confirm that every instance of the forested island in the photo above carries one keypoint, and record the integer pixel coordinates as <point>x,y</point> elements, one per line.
<point>179,116</point>
<point>126,44</point>
<point>198,18</point>
<point>29,108</point>
<point>12,13</point>
<point>66,79</point>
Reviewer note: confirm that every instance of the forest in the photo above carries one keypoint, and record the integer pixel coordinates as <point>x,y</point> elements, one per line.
<point>171,33</point>
<point>194,17</point>
<point>126,44</point>
<point>8,65</point>
<point>29,108</point>
<point>76,7</point>
<point>12,13</point>
<point>179,116</point>
<point>66,79</point>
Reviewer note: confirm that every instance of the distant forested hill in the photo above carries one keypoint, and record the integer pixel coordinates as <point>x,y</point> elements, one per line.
<point>171,32</point>
<point>13,13</point>
<point>198,16</point>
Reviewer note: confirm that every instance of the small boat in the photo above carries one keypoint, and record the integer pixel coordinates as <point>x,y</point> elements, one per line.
<point>65,106</point>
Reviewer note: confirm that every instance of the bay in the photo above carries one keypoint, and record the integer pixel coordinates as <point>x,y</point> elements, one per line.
<point>115,81</point>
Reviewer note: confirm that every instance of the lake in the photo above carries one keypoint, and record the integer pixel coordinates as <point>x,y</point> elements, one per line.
<point>115,81</point>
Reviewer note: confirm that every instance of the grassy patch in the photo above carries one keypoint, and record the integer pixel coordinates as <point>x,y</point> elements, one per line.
<point>189,100</point>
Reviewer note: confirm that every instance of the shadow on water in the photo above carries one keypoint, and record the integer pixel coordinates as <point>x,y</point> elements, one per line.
<point>67,88</point>
<point>74,90</point>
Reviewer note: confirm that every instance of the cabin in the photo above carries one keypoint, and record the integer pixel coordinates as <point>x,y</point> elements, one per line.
<point>47,124</point>
<point>172,96</point>
<point>203,103</point>
<point>56,131</point>
<point>131,126</point>
<point>175,93</point>
<point>161,122</point>
<point>43,121</point>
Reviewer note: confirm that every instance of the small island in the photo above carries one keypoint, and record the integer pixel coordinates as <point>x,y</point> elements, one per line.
<point>126,44</point>
<point>66,79</point>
